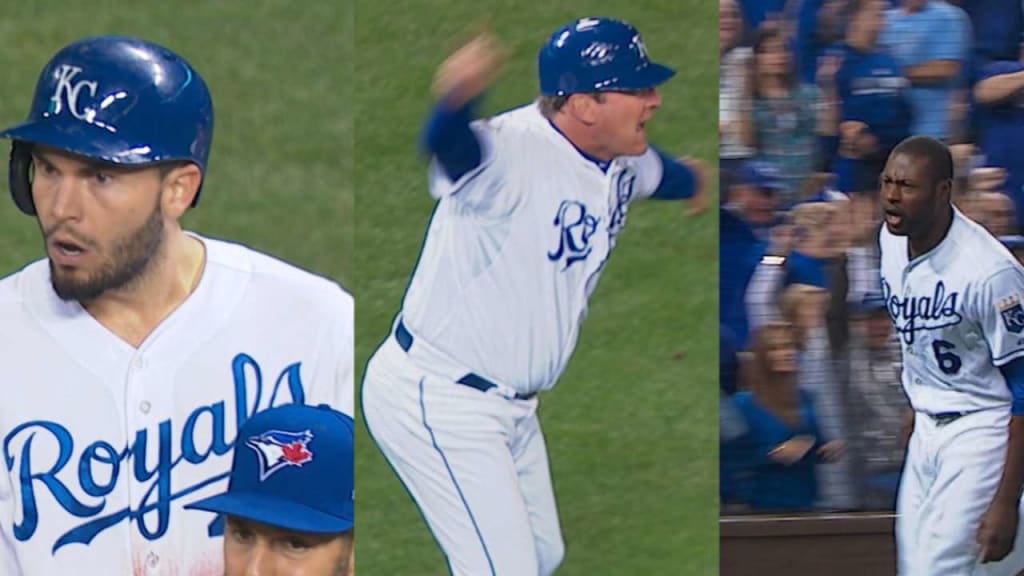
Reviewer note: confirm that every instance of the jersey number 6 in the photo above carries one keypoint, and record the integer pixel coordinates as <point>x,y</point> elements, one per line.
<point>949,362</point>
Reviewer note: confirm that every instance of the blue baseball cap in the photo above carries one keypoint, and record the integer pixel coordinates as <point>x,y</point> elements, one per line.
<point>293,468</point>
<point>597,55</point>
<point>760,174</point>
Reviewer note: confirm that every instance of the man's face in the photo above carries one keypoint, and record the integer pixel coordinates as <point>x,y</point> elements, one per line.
<point>621,120</point>
<point>728,23</point>
<point>773,59</point>
<point>102,224</point>
<point>757,204</point>
<point>910,196</point>
<point>866,24</point>
<point>255,549</point>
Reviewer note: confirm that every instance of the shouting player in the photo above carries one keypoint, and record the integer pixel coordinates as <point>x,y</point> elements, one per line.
<point>134,353</point>
<point>530,205</point>
<point>955,295</point>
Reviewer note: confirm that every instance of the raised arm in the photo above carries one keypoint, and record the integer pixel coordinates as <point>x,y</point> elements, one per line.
<point>459,86</point>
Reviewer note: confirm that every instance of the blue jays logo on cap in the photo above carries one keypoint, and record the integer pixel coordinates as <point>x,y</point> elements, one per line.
<point>1012,313</point>
<point>277,449</point>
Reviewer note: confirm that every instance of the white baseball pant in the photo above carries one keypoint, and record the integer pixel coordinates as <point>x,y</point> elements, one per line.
<point>475,463</point>
<point>950,475</point>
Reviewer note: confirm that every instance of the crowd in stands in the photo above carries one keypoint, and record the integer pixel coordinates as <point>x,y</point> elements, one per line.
<point>814,94</point>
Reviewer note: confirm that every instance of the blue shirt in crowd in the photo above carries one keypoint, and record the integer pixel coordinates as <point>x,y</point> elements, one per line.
<point>775,486</point>
<point>872,90</point>
<point>1002,135</point>
<point>939,31</point>
<point>739,251</point>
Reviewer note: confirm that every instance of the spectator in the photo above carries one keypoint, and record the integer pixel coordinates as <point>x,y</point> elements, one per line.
<point>819,29</point>
<point>862,256</point>
<point>805,264</point>
<point>733,92</point>
<point>877,404</point>
<point>783,427</point>
<point>734,436</point>
<point>929,39</point>
<point>873,101</point>
<point>758,12</point>
<point>999,95</point>
<point>751,202</point>
<point>804,307</point>
<point>1000,26</point>
<point>786,115</point>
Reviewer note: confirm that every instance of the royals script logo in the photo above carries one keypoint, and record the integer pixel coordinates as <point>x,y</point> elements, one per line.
<point>575,227</point>
<point>80,478</point>
<point>921,313</point>
<point>624,184</point>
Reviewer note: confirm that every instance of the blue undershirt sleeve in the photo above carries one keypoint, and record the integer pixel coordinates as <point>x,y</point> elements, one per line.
<point>448,137</point>
<point>677,180</point>
<point>1014,374</point>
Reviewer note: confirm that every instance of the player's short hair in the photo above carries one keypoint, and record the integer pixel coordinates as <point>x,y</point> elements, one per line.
<point>550,105</point>
<point>940,159</point>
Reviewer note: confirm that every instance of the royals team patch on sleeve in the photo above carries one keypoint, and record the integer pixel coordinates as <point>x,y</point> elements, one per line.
<point>1012,314</point>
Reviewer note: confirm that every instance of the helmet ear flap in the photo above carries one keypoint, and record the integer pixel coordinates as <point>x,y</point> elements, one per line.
<point>19,177</point>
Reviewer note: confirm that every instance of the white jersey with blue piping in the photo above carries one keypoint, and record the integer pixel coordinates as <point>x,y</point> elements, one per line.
<point>516,247</point>
<point>958,313</point>
<point>104,443</point>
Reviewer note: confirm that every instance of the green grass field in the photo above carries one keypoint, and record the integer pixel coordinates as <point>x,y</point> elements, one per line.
<point>631,427</point>
<point>280,172</point>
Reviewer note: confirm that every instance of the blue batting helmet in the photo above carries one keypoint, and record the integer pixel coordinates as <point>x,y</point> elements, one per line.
<point>597,54</point>
<point>118,100</point>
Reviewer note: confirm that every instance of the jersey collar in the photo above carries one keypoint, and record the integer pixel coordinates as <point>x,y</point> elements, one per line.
<point>603,165</point>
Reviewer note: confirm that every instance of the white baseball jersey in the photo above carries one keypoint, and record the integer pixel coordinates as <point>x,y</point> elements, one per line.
<point>104,444</point>
<point>515,249</point>
<point>958,312</point>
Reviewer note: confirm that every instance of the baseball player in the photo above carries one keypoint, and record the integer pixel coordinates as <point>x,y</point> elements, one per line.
<point>289,504</point>
<point>530,204</point>
<point>954,294</point>
<point>135,351</point>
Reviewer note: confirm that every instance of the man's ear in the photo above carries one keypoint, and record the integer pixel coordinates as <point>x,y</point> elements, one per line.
<point>180,186</point>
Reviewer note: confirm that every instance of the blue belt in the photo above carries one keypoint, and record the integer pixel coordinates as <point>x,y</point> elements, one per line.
<point>405,340</point>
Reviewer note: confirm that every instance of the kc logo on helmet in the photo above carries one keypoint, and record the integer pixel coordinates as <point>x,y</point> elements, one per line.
<point>68,91</point>
<point>640,46</point>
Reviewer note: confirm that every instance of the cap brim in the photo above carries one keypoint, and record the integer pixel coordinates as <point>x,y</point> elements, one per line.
<point>650,76</point>
<point>276,512</point>
<point>83,139</point>
<point>646,77</point>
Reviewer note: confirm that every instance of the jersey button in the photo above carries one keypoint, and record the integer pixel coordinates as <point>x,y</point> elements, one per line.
<point>144,407</point>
